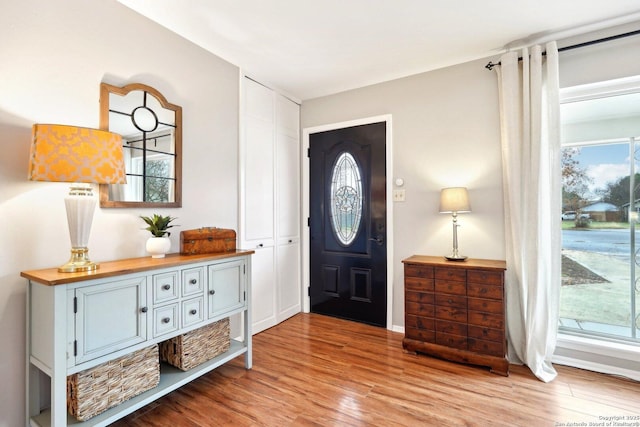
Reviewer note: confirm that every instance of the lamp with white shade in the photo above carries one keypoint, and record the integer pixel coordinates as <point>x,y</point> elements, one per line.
<point>82,156</point>
<point>454,200</point>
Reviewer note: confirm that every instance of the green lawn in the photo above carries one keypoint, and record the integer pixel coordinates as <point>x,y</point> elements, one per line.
<point>595,225</point>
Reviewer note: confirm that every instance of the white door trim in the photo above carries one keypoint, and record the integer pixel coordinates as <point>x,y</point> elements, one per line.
<point>304,161</point>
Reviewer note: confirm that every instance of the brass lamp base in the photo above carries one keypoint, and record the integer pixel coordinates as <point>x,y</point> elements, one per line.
<point>79,261</point>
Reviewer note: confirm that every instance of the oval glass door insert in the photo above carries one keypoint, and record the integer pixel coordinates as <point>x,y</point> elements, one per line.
<point>346,198</point>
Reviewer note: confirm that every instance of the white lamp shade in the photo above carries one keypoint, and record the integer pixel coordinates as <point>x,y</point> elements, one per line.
<point>454,199</point>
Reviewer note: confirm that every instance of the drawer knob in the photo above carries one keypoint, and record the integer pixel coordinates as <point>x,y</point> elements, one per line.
<point>166,320</point>
<point>193,281</point>
<point>166,287</point>
<point>143,309</point>
<point>212,291</point>
<point>193,312</point>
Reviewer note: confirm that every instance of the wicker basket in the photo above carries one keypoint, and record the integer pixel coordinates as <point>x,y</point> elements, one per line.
<point>97,389</point>
<point>193,348</point>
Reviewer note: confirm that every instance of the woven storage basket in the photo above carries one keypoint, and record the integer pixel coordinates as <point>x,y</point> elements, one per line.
<point>95,390</point>
<point>193,348</point>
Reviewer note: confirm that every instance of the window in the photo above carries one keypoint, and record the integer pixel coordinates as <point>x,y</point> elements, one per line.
<point>600,205</point>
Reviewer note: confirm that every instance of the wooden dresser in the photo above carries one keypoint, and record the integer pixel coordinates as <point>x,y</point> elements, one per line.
<point>455,310</point>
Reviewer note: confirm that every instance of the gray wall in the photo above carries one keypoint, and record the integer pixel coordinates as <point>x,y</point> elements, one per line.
<point>446,132</point>
<point>54,54</point>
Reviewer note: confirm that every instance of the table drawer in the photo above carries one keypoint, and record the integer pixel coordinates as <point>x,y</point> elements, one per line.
<point>486,305</point>
<point>192,311</point>
<point>426,310</point>
<point>193,281</point>
<point>485,291</point>
<point>489,320</point>
<point>165,287</point>
<point>165,319</point>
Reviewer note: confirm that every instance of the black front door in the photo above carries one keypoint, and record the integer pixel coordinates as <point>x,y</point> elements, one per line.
<point>348,253</point>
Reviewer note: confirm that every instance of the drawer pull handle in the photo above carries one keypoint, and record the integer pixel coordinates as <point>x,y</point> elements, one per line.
<point>212,291</point>
<point>193,281</point>
<point>143,309</point>
<point>166,287</point>
<point>193,312</point>
<point>166,320</point>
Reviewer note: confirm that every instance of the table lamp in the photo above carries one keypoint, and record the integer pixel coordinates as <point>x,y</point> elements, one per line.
<point>82,156</point>
<point>454,200</point>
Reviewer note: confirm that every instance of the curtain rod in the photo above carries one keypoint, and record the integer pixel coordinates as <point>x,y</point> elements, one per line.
<point>490,65</point>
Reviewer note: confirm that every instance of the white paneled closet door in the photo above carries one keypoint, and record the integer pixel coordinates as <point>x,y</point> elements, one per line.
<point>288,251</point>
<point>270,202</point>
<point>258,200</point>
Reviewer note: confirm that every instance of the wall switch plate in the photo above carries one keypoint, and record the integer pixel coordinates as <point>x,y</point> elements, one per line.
<point>398,195</point>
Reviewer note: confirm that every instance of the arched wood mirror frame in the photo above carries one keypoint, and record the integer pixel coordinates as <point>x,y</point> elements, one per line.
<point>151,139</point>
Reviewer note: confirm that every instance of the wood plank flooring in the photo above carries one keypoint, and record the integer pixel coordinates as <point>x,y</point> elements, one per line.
<point>314,370</point>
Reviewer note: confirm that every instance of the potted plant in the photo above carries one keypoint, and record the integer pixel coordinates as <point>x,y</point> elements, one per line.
<point>158,244</point>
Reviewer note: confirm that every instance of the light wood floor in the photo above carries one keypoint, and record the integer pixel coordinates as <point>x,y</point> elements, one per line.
<point>314,370</point>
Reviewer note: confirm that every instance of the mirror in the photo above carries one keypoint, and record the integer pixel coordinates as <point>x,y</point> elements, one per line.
<point>151,130</point>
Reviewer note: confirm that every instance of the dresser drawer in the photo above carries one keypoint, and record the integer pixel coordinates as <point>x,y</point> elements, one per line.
<point>487,347</point>
<point>485,277</point>
<point>165,319</point>
<point>484,333</point>
<point>486,305</point>
<point>165,287</point>
<point>450,340</point>
<point>419,284</point>
<point>454,328</point>
<point>449,313</point>
<point>450,287</point>
<point>456,274</point>
<point>485,291</point>
<point>420,334</point>
<point>489,320</point>
<point>453,301</point>
<point>419,322</point>
<point>421,297</point>
<point>412,270</point>
<point>427,310</point>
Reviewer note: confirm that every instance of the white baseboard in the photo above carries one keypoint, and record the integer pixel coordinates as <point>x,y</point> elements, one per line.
<point>613,358</point>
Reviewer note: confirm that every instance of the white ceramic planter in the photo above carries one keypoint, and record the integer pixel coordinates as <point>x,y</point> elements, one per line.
<point>158,246</point>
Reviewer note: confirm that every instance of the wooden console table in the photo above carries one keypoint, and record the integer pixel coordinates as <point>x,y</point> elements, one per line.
<point>76,321</point>
<point>455,310</point>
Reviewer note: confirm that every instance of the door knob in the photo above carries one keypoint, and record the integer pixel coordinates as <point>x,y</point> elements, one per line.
<point>379,240</point>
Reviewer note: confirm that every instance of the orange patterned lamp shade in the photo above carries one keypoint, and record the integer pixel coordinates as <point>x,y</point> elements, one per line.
<point>62,153</point>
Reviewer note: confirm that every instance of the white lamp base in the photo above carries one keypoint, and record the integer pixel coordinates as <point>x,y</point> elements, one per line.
<point>80,205</point>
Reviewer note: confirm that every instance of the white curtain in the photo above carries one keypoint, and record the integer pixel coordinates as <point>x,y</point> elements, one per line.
<point>530,128</point>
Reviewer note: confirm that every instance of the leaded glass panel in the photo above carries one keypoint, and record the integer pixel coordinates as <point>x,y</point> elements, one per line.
<point>346,198</point>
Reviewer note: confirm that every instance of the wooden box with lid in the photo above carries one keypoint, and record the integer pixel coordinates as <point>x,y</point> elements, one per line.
<point>455,310</point>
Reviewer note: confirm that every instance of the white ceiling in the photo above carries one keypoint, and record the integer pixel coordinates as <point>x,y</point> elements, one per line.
<point>311,48</point>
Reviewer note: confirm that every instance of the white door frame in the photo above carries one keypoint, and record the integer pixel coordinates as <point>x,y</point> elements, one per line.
<point>304,161</point>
